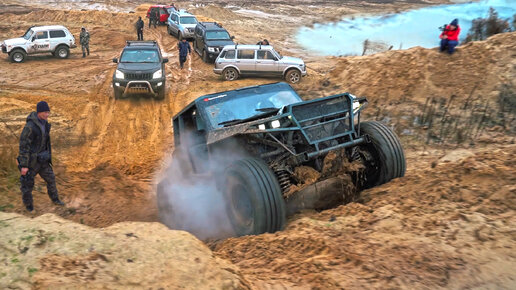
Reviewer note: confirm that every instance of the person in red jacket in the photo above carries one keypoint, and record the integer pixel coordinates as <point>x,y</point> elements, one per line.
<point>450,36</point>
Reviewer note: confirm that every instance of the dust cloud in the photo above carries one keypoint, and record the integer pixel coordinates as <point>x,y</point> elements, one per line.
<point>195,202</point>
<point>192,204</point>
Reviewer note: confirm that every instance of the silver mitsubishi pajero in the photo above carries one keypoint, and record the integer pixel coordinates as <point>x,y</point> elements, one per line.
<point>258,60</point>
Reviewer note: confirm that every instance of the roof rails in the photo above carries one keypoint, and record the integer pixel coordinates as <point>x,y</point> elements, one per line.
<point>214,23</point>
<point>139,42</point>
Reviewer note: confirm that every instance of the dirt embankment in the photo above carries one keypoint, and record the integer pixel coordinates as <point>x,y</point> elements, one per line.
<point>51,253</point>
<point>448,223</point>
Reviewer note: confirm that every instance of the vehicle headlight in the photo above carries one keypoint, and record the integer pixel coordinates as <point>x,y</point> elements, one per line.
<point>275,124</point>
<point>158,74</point>
<point>119,74</point>
<point>261,126</point>
<point>211,49</point>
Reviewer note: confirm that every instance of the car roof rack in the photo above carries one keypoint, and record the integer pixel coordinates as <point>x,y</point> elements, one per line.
<point>141,42</point>
<point>210,23</point>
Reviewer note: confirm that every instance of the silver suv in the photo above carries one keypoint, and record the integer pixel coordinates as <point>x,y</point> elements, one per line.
<point>55,39</point>
<point>181,24</point>
<point>258,60</point>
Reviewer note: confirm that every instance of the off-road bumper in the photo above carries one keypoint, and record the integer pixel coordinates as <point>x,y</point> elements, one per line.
<point>151,87</point>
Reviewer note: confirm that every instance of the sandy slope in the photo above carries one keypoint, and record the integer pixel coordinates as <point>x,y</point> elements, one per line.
<point>52,253</point>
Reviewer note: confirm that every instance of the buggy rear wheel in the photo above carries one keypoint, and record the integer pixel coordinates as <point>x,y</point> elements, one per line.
<point>254,201</point>
<point>384,158</point>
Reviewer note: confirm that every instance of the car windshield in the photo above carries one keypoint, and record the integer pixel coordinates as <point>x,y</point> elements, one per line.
<point>249,103</point>
<point>139,55</point>
<point>28,34</point>
<point>221,35</point>
<point>279,54</point>
<point>188,20</point>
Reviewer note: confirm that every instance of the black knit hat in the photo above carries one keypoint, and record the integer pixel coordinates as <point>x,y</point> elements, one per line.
<point>42,107</point>
<point>455,22</point>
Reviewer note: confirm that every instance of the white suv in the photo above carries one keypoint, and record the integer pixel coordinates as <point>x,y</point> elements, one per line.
<point>55,39</point>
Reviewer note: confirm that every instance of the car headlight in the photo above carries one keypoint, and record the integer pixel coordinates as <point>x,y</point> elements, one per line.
<point>261,126</point>
<point>119,74</point>
<point>157,74</point>
<point>275,124</point>
<point>211,49</point>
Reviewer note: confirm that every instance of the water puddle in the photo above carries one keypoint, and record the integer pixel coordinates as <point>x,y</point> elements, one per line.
<point>402,30</point>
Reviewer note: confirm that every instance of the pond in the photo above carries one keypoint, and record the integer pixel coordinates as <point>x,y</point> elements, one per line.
<point>419,27</point>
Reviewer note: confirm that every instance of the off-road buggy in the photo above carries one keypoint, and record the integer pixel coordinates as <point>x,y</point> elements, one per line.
<point>251,140</point>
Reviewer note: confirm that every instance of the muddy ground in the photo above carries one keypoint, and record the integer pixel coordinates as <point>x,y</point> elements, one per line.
<point>448,223</point>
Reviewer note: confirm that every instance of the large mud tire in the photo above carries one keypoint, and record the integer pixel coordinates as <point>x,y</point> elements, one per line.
<point>386,154</point>
<point>254,201</point>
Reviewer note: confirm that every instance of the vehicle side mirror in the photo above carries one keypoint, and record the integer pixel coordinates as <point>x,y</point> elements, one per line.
<point>115,60</point>
<point>165,60</point>
<point>276,59</point>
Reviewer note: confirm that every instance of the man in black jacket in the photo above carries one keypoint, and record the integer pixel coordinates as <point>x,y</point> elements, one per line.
<point>139,28</point>
<point>36,156</point>
<point>184,50</point>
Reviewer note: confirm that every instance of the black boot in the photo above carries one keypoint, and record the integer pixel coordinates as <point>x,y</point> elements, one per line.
<point>58,202</point>
<point>29,207</point>
<point>83,54</point>
<point>88,52</point>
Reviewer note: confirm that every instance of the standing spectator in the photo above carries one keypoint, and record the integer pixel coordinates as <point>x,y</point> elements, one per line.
<point>139,28</point>
<point>184,50</point>
<point>153,17</point>
<point>84,39</point>
<point>450,36</point>
<point>36,156</point>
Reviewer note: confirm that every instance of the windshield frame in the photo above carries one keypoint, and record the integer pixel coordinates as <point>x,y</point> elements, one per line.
<point>157,59</point>
<point>26,35</point>
<point>218,31</point>
<point>244,105</point>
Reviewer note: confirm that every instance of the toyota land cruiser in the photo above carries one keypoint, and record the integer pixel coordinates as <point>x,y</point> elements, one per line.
<point>140,70</point>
